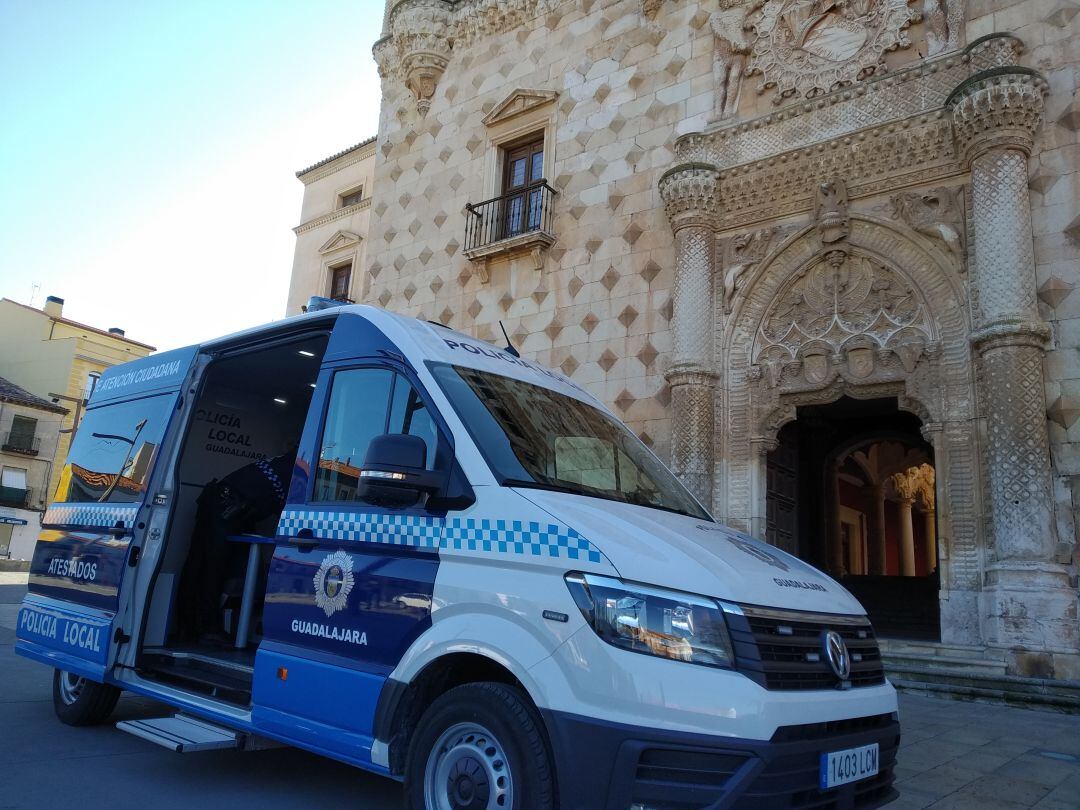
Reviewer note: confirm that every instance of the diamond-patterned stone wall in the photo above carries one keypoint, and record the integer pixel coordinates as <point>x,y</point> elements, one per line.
<point>601,307</point>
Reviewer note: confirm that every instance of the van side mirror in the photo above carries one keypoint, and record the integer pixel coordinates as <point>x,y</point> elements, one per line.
<point>394,470</point>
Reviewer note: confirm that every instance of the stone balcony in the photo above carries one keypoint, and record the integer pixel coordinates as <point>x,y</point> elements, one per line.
<point>516,222</point>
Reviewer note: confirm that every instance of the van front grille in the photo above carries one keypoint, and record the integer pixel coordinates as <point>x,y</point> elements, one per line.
<point>784,650</point>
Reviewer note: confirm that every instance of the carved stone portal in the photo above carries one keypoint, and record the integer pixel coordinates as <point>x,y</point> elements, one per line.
<point>850,314</point>
<point>887,319</point>
<point>810,47</point>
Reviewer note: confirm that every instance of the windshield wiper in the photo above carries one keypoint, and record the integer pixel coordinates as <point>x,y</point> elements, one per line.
<point>526,483</point>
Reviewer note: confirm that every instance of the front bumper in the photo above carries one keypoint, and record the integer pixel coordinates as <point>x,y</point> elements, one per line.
<point>614,766</point>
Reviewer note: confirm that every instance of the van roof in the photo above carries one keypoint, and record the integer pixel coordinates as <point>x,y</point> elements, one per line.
<point>423,339</point>
<point>377,315</point>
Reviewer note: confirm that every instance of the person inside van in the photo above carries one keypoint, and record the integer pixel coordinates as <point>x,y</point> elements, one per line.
<point>236,504</point>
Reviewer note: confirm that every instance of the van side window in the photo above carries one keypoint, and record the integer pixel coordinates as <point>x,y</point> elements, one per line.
<point>365,403</point>
<point>113,453</point>
<point>408,414</point>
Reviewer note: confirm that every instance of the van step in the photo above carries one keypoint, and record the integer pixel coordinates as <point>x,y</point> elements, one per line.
<point>219,679</point>
<point>183,733</point>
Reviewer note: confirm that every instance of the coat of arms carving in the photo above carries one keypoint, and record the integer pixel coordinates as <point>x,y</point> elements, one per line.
<point>810,47</point>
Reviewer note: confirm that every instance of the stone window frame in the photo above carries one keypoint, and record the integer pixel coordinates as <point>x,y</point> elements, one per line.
<point>332,263</point>
<point>352,188</point>
<point>333,258</point>
<point>502,132</point>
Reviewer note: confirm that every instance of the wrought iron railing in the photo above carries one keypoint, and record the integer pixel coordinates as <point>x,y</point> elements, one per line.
<point>515,213</point>
<point>17,442</point>
<point>14,496</point>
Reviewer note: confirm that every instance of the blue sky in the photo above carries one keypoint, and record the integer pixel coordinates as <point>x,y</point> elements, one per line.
<point>148,152</point>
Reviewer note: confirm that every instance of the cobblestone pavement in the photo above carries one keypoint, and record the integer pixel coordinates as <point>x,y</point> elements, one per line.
<point>953,755</point>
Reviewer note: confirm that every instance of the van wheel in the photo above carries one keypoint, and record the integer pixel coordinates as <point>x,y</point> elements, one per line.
<point>480,746</point>
<point>79,701</point>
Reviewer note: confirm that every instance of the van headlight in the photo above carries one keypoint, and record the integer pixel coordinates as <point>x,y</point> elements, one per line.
<point>654,621</point>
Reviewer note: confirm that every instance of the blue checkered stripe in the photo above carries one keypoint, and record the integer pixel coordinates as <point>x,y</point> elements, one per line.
<point>517,537</point>
<point>91,514</point>
<point>391,530</point>
<point>529,538</point>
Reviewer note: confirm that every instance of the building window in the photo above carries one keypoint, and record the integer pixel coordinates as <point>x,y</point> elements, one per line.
<point>351,197</point>
<point>340,282</point>
<point>21,438</point>
<point>523,170</point>
<point>13,490</point>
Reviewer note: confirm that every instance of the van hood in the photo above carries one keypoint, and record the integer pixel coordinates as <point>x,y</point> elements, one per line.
<point>684,553</point>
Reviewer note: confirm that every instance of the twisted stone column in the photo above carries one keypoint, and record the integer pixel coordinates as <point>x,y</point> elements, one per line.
<point>1028,602</point>
<point>691,198</point>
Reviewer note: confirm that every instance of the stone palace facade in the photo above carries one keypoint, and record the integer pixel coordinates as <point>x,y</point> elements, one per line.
<point>819,254</point>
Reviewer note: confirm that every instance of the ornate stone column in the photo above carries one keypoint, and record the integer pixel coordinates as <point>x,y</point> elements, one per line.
<point>691,200</point>
<point>1027,601</point>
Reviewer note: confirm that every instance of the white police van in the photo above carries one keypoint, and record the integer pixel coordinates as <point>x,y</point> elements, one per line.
<point>481,583</point>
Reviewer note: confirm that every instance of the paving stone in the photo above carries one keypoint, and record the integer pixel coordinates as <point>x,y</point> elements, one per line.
<point>944,779</point>
<point>1001,790</point>
<point>1040,769</point>
<point>986,761</point>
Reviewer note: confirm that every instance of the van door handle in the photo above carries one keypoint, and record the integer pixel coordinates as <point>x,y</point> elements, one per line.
<point>304,538</point>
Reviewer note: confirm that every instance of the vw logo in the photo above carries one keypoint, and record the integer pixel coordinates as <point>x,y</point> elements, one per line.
<point>837,653</point>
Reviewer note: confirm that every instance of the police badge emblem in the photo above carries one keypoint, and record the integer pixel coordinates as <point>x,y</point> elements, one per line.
<point>334,582</point>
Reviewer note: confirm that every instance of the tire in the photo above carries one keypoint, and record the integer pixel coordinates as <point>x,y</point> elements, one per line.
<point>480,746</point>
<point>79,701</point>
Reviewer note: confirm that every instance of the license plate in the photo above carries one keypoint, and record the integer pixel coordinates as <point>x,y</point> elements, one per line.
<point>849,765</point>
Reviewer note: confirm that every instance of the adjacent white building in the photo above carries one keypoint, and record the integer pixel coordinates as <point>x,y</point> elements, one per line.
<point>330,238</point>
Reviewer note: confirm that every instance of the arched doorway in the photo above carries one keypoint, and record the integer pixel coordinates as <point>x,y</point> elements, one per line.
<point>871,330</point>
<point>850,487</point>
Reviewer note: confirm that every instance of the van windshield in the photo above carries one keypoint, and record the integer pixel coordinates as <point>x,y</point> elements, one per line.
<point>535,437</point>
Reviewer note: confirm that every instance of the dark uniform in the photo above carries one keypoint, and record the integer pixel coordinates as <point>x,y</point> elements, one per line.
<point>234,505</point>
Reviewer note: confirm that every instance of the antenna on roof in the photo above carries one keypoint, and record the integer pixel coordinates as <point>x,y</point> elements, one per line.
<point>509,346</point>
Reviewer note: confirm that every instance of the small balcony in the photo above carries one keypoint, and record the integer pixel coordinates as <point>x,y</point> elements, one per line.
<point>25,444</point>
<point>13,496</point>
<point>518,221</point>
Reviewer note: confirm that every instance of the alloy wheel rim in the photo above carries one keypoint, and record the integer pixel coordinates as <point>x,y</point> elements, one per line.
<point>467,770</point>
<point>71,686</point>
